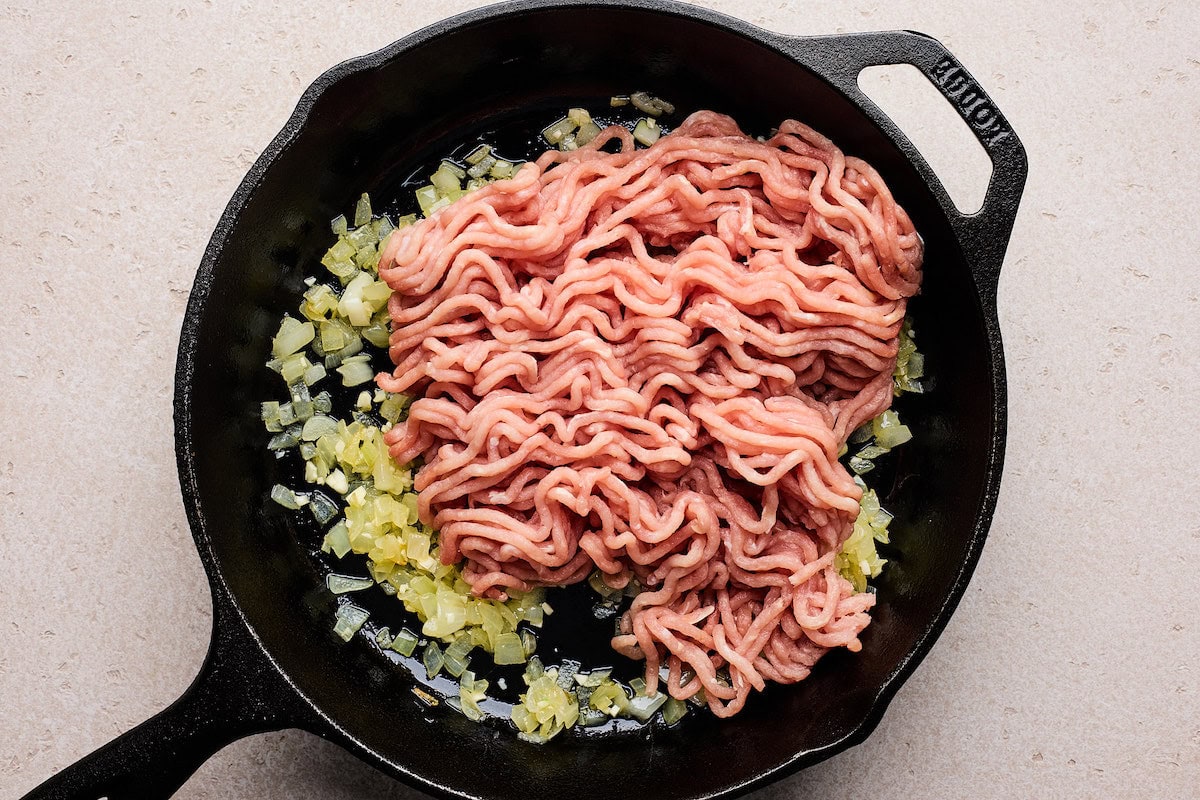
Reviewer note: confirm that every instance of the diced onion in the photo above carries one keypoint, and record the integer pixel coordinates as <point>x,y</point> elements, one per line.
<point>337,481</point>
<point>567,671</point>
<point>596,581</point>
<point>858,559</point>
<point>317,426</point>
<point>445,180</point>
<point>509,649</point>
<point>862,433</point>
<point>393,406</point>
<point>502,169</point>
<point>910,364</point>
<point>592,679</point>
<point>337,540</point>
<point>405,642</point>
<point>673,711</point>
<point>916,365</point>
<point>433,659</point>
<point>383,637</point>
<point>648,104</point>
<point>292,335</point>
<point>646,131</point>
<point>556,131</point>
<point>319,301</point>
<point>362,211</point>
<point>377,333</point>
<point>427,196</point>
<point>323,509</point>
<point>861,466</point>
<point>587,131</point>
<point>284,440</point>
<point>478,154</point>
<point>457,655</point>
<point>590,717</point>
<point>287,498</point>
<point>642,708</point>
<point>609,698</point>
<point>888,430</point>
<point>546,709</point>
<point>535,615</point>
<point>352,306</point>
<point>349,619</point>
<point>313,374</point>
<point>356,371</point>
<point>293,367</point>
<point>482,168</point>
<point>340,584</point>
<point>270,416</point>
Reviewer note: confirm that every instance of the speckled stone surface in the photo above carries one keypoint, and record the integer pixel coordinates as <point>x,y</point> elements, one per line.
<point>1072,667</point>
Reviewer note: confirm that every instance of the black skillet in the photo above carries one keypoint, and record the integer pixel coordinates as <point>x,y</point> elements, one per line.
<point>368,124</point>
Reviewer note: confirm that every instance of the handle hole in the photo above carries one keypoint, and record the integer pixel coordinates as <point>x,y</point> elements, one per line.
<point>933,126</point>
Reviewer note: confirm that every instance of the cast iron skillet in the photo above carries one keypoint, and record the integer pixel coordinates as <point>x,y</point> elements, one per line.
<point>365,125</point>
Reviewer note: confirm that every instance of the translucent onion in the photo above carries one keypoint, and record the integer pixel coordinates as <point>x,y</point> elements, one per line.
<point>888,430</point>
<point>509,649</point>
<point>609,698</point>
<point>285,439</point>
<point>287,498</point>
<point>433,659</point>
<point>349,618</point>
<point>337,540</point>
<point>646,131</point>
<point>556,131</point>
<point>323,509</point>
<point>858,561</point>
<point>642,708</point>
<point>356,371</point>
<point>341,584</point>
<point>317,426</point>
<point>383,638</point>
<point>405,642</point>
<point>649,104</point>
<point>674,710</point>
<point>477,155</point>
<point>292,336</point>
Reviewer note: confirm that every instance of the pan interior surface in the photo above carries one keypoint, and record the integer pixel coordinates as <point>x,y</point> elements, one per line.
<point>505,78</point>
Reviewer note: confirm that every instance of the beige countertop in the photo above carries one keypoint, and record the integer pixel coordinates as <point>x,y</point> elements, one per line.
<point>1072,667</point>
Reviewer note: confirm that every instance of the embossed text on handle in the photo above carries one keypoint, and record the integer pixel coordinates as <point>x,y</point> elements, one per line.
<point>971,101</point>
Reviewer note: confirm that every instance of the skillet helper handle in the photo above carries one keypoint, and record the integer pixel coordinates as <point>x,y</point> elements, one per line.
<point>840,58</point>
<point>238,692</point>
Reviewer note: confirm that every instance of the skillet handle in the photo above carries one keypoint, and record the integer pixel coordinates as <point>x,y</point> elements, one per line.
<point>238,692</point>
<point>984,235</point>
